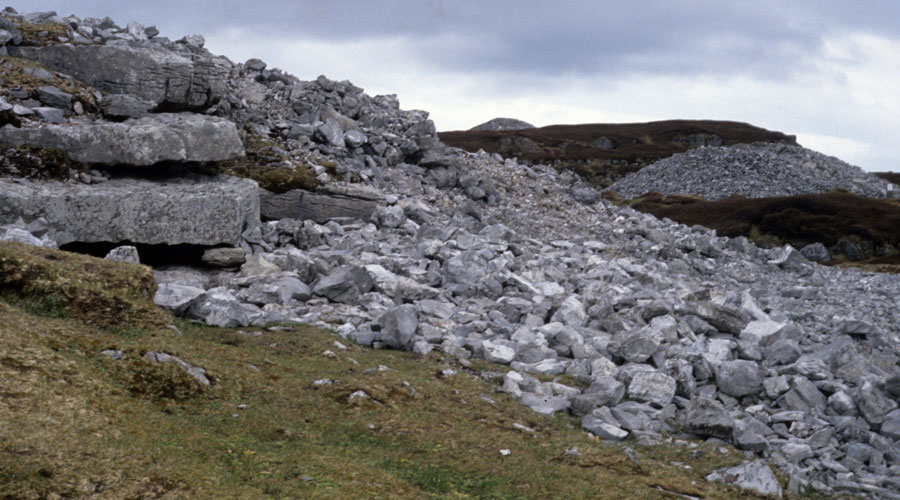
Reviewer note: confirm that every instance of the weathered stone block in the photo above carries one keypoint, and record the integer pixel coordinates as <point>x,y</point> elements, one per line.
<point>168,137</point>
<point>191,209</point>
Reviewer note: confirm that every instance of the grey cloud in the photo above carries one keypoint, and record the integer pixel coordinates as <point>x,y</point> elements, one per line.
<point>765,39</point>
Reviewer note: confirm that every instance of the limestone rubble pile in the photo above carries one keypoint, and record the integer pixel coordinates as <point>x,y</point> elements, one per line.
<point>503,124</point>
<point>752,170</point>
<point>661,330</point>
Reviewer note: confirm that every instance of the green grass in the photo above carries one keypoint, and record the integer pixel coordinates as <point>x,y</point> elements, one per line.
<point>75,423</point>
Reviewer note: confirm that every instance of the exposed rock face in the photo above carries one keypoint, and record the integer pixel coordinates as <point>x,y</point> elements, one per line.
<point>191,209</point>
<point>175,80</point>
<point>167,137</point>
<point>753,170</point>
<point>503,124</point>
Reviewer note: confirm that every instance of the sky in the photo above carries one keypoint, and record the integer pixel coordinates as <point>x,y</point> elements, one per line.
<point>827,71</point>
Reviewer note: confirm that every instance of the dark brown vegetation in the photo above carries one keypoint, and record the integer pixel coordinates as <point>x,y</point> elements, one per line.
<point>37,163</point>
<point>17,82</point>
<point>829,218</point>
<point>890,177</point>
<point>604,153</point>
<point>41,33</point>
<point>269,165</point>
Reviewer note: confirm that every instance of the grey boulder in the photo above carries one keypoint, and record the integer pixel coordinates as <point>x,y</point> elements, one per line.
<point>345,285</point>
<point>725,318</point>
<point>125,253</point>
<point>739,378</point>
<point>602,429</point>
<point>224,257</point>
<point>706,417</point>
<point>55,98</point>
<point>653,387</point>
<point>125,106</point>
<point>53,116</point>
<point>815,252</point>
<point>176,297</point>
<point>398,326</point>
<point>755,476</point>
<point>218,307</point>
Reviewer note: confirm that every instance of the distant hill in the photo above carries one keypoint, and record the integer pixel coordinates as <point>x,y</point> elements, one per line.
<point>605,152</point>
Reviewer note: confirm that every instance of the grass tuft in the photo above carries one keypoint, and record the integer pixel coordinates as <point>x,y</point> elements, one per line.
<point>61,284</point>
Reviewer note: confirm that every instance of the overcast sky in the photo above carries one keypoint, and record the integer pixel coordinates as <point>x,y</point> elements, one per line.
<point>825,70</point>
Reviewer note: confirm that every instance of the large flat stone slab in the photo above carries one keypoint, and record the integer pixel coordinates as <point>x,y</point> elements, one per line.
<point>165,137</point>
<point>192,209</point>
<point>177,81</point>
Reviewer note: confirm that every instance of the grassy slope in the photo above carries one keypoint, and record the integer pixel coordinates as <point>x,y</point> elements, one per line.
<point>76,424</point>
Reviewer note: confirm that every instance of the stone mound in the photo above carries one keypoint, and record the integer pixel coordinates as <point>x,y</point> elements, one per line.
<point>752,170</point>
<point>503,124</point>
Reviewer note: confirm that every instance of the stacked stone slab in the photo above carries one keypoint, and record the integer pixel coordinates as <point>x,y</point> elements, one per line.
<point>171,76</point>
<point>167,137</point>
<point>189,209</point>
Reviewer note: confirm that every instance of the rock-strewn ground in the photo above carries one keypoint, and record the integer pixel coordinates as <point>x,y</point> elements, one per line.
<point>660,328</point>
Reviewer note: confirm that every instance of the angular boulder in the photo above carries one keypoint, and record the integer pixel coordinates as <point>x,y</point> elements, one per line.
<point>180,81</point>
<point>754,476</point>
<point>739,378</point>
<point>725,318</point>
<point>218,307</point>
<point>398,326</point>
<point>602,429</point>
<point>652,387</point>
<point>345,284</point>
<point>166,137</point>
<point>706,417</point>
<point>192,209</point>
<point>176,297</point>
